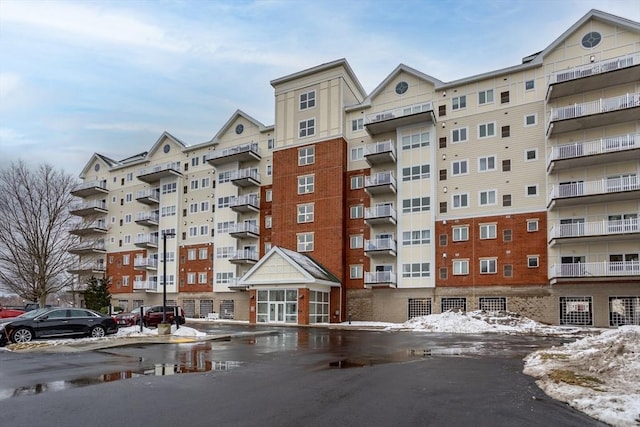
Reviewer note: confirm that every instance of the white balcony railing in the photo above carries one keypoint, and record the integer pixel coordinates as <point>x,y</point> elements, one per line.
<point>384,244</point>
<point>145,285</point>
<point>594,147</point>
<point>94,204</point>
<point>148,216</point>
<point>88,266</point>
<point>594,68</point>
<point>91,184</point>
<point>81,225</point>
<point>147,239</point>
<point>383,211</point>
<point>595,228</point>
<point>160,168</point>
<point>379,148</point>
<point>152,193</point>
<point>589,188</point>
<point>595,107</point>
<point>145,262</point>
<point>379,277</point>
<point>250,199</point>
<point>238,149</point>
<point>90,244</point>
<point>244,228</point>
<point>595,269</point>
<point>380,178</point>
<point>245,173</point>
<point>399,112</point>
<point>246,254</point>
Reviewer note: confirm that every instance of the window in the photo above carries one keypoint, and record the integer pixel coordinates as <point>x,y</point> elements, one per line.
<point>195,161</point>
<point>493,303</point>
<point>416,237</point>
<point>444,273</point>
<point>443,239</point>
<point>460,234</point>
<point>357,124</point>
<point>529,84</point>
<point>128,218</point>
<point>418,269</point>
<point>268,195</point>
<point>442,142</point>
<point>271,144</point>
<point>533,261</point>
<point>225,252</point>
<point>448,304</point>
<point>126,259</point>
<point>357,182</point>
<point>504,97</point>
<point>488,197</point>
<point>459,167</point>
<point>530,155</point>
<point>459,135</point>
<point>193,231</point>
<point>356,241</point>
<point>460,200</point>
<point>442,110</point>
<point>486,130</point>
<point>532,190</point>
<point>532,225</point>
<point>191,277</point>
<point>486,164</point>
<point>224,202</point>
<point>306,156</point>
<point>191,254</point>
<point>356,211</point>
<point>530,120</point>
<point>168,211</point>
<point>443,207</point>
<point>507,235</point>
<point>171,256</point>
<point>204,230</point>
<point>308,100</point>
<point>224,177</point>
<point>416,172</point>
<point>506,200</point>
<point>306,184</point>
<point>128,198</point>
<point>488,266</point>
<point>194,184</point>
<point>485,97</point>
<point>459,102</point>
<point>268,222</point>
<point>305,242</point>
<point>204,206</point>
<point>419,307</point>
<point>416,140</point>
<point>202,278</point>
<point>506,131</point>
<point>507,270</point>
<point>225,226</point>
<point>488,231</point>
<point>460,267</point>
<point>357,153</point>
<point>576,310</point>
<point>355,271</point>
<point>125,280</point>
<point>305,213</point>
<point>224,277</point>
<point>417,204</point>
<point>506,165</point>
<point>193,207</point>
<point>443,174</point>
<point>205,182</point>
<point>307,128</point>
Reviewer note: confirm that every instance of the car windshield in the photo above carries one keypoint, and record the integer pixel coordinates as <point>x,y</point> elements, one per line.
<point>33,313</point>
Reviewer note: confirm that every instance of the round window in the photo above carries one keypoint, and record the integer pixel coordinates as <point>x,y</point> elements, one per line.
<point>239,129</point>
<point>96,167</point>
<point>591,39</point>
<point>166,148</point>
<point>402,88</point>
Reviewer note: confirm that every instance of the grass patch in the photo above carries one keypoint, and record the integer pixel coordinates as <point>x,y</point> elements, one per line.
<point>570,377</point>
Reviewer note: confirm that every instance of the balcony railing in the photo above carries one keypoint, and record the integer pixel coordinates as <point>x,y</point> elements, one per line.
<point>147,240</point>
<point>398,112</point>
<point>160,168</point>
<point>595,269</point>
<point>147,217</point>
<point>87,207</point>
<point>384,211</point>
<point>91,245</point>
<point>249,173</point>
<point>595,228</point>
<point>384,244</point>
<point>590,188</point>
<point>595,107</point>
<point>246,203</point>
<point>145,285</point>
<point>380,278</point>
<point>380,178</point>
<point>244,228</point>
<point>88,266</point>
<point>594,68</point>
<point>82,228</point>
<point>246,151</point>
<point>148,195</point>
<point>146,263</point>
<point>594,147</point>
<point>89,188</point>
<point>380,152</point>
<point>245,255</point>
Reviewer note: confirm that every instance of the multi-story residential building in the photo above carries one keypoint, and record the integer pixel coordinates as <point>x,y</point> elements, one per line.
<point>516,189</point>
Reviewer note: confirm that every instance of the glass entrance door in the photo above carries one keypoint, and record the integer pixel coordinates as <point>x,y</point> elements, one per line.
<point>276,312</point>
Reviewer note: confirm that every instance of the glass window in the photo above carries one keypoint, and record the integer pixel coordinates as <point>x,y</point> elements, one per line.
<point>530,120</point>
<point>460,234</point>
<point>460,200</point>
<point>485,97</point>
<point>416,140</point>
<point>306,184</point>
<point>486,130</point>
<point>306,156</point>
<point>357,182</point>
<point>533,261</point>
<point>418,269</point>
<point>356,241</point>
<point>488,231</point>
<point>307,128</point>
<point>459,102</point>
<point>459,135</point>
<point>308,100</point>
<point>268,195</point>
<point>486,164</point>
<point>356,211</point>
<point>355,271</point>
<point>529,84</point>
<point>305,242</point>
<point>416,237</point>
<point>416,172</point>
<point>488,197</point>
<point>488,266</point>
<point>459,167</point>
<point>532,225</point>
<point>357,124</point>
<point>305,213</point>
<point>460,267</point>
<point>417,204</point>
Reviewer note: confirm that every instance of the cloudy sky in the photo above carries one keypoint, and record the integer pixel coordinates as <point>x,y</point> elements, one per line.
<point>78,77</point>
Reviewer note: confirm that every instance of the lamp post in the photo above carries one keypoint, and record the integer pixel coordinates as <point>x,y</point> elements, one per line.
<point>164,274</point>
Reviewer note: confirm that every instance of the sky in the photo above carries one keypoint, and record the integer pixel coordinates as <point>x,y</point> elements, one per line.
<point>79,77</point>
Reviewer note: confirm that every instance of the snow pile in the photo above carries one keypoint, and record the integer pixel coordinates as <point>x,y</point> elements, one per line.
<point>598,375</point>
<point>474,322</point>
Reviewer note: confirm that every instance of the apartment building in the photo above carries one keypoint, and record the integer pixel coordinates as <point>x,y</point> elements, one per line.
<point>514,190</point>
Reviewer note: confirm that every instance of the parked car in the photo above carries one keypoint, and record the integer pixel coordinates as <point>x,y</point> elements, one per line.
<point>153,315</point>
<point>56,322</point>
<point>131,318</point>
<point>6,313</point>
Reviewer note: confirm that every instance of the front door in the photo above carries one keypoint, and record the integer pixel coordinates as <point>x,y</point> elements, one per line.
<point>276,312</point>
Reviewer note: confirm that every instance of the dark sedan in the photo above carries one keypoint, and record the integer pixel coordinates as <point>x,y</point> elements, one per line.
<point>56,322</point>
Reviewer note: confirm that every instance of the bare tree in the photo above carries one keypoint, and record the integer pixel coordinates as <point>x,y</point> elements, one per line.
<point>34,225</point>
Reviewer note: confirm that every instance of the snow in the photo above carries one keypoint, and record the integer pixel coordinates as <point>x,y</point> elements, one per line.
<point>598,374</point>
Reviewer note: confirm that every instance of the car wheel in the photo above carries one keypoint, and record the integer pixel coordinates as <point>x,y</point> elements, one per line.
<point>22,335</point>
<point>97,332</point>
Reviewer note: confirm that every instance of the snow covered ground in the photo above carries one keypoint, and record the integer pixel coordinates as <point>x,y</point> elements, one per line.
<point>598,374</point>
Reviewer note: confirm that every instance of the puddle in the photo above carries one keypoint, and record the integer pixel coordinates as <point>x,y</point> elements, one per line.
<point>159,369</point>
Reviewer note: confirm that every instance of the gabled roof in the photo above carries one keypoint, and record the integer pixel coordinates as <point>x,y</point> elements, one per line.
<point>96,156</point>
<point>307,266</point>
<point>235,116</point>
<point>165,135</point>
<point>402,68</point>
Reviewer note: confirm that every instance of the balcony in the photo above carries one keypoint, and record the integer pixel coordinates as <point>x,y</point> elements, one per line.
<point>390,120</point>
<point>379,247</point>
<point>92,267</point>
<point>373,279</point>
<point>150,219</point>
<point>601,112</point>
<point>244,231</point>
<point>594,76</point>
<point>94,207</point>
<point>376,215</point>
<point>239,153</point>
<point>245,178</point>
<point>380,153</point>
<point>594,271</point>
<point>614,230</point>
<point>156,173</point>
<point>245,256</point>
<point>380,183</point>
<point>89,247</point>
<point>601,191</point>
<point>594,152</point>
<point>248,203</point>
<point>90,188</point>
<point>145,285</point>
<point>234,284</point>
<point>148,264</point>
<point>149,196</point>
<point>147,241</point>
<point>86,228</point>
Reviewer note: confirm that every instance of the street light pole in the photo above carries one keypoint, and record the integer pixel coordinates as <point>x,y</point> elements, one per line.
<point>164,274</point>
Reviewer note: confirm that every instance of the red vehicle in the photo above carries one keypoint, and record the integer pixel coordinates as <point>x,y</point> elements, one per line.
<point>153,316</point>
<point>129,319</point>
<point>6,313</point>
